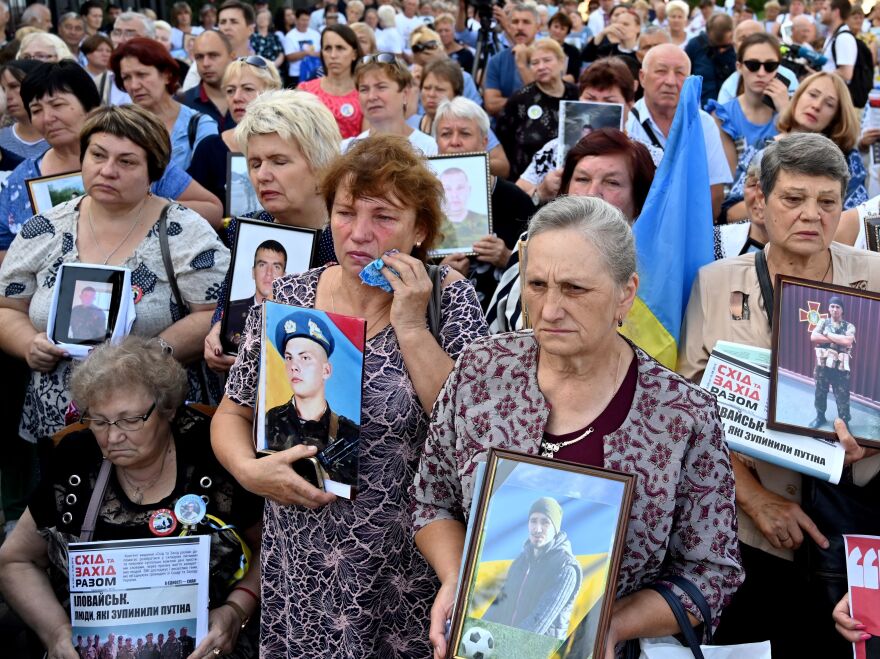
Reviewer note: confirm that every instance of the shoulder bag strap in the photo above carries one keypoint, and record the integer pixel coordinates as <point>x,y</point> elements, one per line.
<point>166,259</point>
<point>698,599</point>
<point>192,128</point>
<point>681,617</point>
<point>88,526</point>
<point>646,125</point>
<point>434,304</point>
<point>764,283</point>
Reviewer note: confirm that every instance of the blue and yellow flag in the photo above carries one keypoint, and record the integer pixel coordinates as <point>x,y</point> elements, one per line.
<point>674,235</point>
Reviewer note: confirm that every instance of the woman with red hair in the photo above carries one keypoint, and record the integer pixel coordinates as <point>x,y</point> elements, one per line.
<point>145,70</point>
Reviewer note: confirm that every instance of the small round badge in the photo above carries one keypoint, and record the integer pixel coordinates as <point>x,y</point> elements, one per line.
<point>535,112</point>
<point>162,522</point>
<point>346,110</point>
<point>190,509</point>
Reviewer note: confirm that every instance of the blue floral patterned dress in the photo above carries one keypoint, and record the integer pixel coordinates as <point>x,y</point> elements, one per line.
<point>346,580</point>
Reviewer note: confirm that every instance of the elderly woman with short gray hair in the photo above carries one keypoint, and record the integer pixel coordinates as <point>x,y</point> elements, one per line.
<point>585,394</point>
<point>803,181</point>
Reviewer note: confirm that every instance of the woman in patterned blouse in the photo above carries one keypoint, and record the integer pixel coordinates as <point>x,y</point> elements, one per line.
<point>343,578</point>
<point>577,390</point>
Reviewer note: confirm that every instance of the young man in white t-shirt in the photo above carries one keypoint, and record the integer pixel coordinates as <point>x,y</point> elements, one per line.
<point>840,45</point>
<point>299,43</point>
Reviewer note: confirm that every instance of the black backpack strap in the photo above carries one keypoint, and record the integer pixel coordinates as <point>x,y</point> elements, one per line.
<point>765,284</point>
<point>192,128</point>
<point>646,125</point>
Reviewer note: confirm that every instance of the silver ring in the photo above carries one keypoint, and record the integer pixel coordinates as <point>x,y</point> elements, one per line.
<point>216,652</point>
<point>205,499</point>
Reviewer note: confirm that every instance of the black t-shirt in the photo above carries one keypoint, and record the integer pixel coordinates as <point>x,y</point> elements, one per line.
<point>574,60</point>
<point>73,470</point>
<point>465,58</point>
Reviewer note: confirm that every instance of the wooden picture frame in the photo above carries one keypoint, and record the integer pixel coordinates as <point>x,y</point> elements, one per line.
<point>468,195</point>
<point>872,232</point>
<point>802,363</point>
<point>300,245</point>
<point>594,508</point>
<point>46,192</point>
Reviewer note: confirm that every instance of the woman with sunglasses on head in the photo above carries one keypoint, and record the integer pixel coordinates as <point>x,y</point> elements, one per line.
<point>748,120</point>
<point>157,451</point>
<point>244,80</point>
<point>340,53</point>
<point>383,82</point>
<point>146,71</point>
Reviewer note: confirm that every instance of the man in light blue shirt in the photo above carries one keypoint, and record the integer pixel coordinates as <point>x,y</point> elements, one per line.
<point>509,70</point>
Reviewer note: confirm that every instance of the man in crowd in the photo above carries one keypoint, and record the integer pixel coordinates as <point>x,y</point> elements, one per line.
<point>317,21</point>
<point>171,648</point>
<point>37,15</point>
<point>833,333</point>
<point>712,55</point>
<point>87,322</point>
<point>129,25</point>
<point>212,53</point>
<point>270,262</point>
<point>509,70</point>
<point>461,227</point>
<point>187,642</point>
<point>109,649</point>
<point>150,649</point>
<point>72,30</point>
<point>662,76</point>
<point>541,585</point>
<point>236,20</point>
<point>840,45</point>
<point>299,43</point>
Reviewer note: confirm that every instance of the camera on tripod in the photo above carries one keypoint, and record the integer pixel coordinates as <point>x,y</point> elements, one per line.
<point>483,8</point>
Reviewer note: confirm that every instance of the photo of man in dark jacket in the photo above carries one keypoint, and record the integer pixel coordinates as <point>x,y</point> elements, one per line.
<point>542,583</point>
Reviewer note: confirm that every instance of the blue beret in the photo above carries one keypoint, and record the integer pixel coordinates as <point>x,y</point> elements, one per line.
<point>305,325</point>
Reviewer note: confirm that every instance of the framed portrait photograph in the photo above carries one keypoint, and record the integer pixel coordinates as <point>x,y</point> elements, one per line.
<point>511,605</point>
<point>467,207</point>
<point>241,197</point>
<point>90,305</point>
<point>577,119</point>
<point>262,252</point>
<point>824,360</point>
<point>310,390</point>
<point>46,192</point>
<point>872,232</point>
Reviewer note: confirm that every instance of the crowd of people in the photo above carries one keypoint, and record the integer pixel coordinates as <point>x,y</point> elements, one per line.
<point>513,343</point>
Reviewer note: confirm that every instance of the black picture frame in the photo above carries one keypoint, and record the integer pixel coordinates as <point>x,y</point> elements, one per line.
<point>253,232</point>
<point>72,278</point>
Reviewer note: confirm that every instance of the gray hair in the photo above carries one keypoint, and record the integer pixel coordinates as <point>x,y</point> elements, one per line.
<point>464,109</point>
<point>521,7</point>
<point>656,29</point>
<point>129,16</point>
<point>808,154</point>
<point>135,362</point>
<point>71,16</point>
<point>32,14</point>
<point>601,224</point>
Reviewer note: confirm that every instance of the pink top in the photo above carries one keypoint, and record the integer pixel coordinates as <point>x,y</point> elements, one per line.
<point>346,109</point>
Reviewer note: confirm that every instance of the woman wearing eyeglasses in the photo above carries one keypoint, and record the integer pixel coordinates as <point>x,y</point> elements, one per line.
<point>146,71</point>
<point>383,82</point>
<point>156,453</point>
<point>748,120</point>
<point>340,52</point>
<point>244,80</point>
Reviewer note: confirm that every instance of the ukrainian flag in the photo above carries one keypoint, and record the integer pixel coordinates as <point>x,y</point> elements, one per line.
<point>674,234</point>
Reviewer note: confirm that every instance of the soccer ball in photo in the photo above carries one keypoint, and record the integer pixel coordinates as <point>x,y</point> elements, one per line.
<point>477,643</point>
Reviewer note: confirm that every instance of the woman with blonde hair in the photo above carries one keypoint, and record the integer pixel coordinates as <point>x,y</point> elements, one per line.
<point>821,104</point>
<point>244,80</point>
<point>289,138</point>
<point>366,37</point>
<point>44,47</point>
<point>676,20</point>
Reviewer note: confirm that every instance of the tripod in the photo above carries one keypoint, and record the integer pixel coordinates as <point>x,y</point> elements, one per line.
<point>487,45</point>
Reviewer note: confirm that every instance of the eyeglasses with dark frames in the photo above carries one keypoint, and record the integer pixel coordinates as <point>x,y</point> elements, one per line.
<point>128,423</point>
<point>433,44</point>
